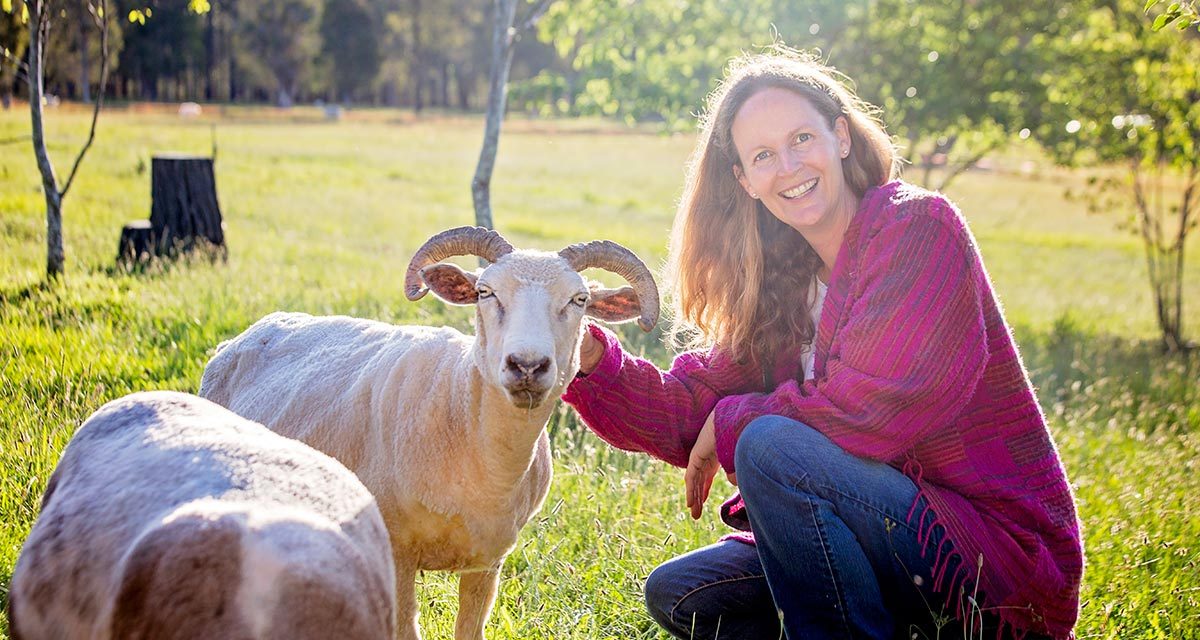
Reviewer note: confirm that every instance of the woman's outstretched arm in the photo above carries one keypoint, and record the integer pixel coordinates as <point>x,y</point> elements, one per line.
<point>633,405</point>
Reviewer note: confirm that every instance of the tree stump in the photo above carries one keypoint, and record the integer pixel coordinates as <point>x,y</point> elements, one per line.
<point>184,209</point>
<point>184,214</point>
<point>137,242</point>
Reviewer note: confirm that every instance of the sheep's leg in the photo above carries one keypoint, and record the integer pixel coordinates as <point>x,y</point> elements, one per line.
<point>406,604</point>
<point>476,595</point>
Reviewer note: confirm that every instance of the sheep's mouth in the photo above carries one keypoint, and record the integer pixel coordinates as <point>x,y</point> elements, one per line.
<point>524,397</point>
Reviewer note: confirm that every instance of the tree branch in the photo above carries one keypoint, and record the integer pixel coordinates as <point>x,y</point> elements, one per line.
<point>534,16</point>
<point>18,63</point>
<point>962,167</point>
<point>102,22</point>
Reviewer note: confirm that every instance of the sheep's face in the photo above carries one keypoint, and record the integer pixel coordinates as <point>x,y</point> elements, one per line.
<point>530,307</point>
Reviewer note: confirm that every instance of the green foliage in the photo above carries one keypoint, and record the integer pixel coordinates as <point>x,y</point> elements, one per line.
<point>322,217</point>
<point>1182,14</point>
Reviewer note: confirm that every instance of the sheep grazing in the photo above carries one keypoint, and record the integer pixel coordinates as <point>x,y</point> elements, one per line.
<point>169,517</point>
<point>447,430</point>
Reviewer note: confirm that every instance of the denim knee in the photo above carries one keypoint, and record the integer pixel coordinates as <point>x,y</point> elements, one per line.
<point>662,593</point>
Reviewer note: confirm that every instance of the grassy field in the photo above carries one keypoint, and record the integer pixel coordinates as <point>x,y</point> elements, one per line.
<point>322,217</point>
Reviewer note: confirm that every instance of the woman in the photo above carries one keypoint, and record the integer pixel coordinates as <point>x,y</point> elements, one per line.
<point>860,386</point>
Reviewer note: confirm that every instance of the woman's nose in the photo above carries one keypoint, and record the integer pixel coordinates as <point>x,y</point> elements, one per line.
<point>789,161</point>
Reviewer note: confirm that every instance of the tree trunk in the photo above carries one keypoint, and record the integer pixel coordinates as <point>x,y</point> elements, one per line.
<point>229,47</point>
<point>210,52</point>
<point>85,76</point>
<point>463,88</point>
<point>502,52</point>
<point>38,28</point>
<point>418,70</point>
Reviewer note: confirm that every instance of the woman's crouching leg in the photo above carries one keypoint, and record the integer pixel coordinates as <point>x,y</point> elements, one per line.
<point>715,592</point>
<point>820,517</point>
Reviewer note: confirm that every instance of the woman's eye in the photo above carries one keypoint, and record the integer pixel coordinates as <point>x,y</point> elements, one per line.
<point>762,155</point>
<point>803,137</point>
<point>580,299</point>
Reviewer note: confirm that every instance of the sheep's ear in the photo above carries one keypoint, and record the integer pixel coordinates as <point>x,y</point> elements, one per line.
<point>614,305</point>
<point>451,283</point>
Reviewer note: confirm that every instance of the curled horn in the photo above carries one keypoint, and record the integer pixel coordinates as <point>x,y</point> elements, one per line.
<point>460,241</point>
<point>610,256</point>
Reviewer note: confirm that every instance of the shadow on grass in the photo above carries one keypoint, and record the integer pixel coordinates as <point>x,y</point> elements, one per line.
<point>22,293</point>
<point>1094,379</point>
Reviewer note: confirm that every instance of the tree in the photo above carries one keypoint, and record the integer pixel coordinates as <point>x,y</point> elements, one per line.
<point>14,38</point>
<point>167,42</point>
<point>1133,98</point>
<point>350,37</point>
<point>41,15</point>
<point>504,36</point>
<point>282,34</point>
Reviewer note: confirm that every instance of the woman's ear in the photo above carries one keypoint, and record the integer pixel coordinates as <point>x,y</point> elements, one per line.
<point>842,129</point>
<point>741,178</point>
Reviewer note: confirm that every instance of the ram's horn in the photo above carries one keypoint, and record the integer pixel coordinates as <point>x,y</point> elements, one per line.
<point>610,256</point>
<point>461,241</point>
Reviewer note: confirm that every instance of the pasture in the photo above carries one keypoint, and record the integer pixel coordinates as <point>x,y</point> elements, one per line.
<point>322,217</point>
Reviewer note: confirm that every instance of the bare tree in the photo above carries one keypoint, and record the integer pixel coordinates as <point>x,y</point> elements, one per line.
<point>41,14</point>
<point>504,37</point>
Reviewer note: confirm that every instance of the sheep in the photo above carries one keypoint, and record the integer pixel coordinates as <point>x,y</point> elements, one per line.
<point>446,429</point>
<point>169,517</point>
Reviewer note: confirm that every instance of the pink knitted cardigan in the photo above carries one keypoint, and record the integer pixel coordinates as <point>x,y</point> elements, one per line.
<point>915,367</point>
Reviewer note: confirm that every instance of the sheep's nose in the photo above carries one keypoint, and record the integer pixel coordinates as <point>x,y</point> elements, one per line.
<point>528,368</point>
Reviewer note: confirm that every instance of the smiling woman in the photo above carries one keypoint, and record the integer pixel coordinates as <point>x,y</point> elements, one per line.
<point>857,381</point>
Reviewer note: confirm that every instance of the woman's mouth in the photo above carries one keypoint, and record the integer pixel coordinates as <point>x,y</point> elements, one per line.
<point>799,191</point>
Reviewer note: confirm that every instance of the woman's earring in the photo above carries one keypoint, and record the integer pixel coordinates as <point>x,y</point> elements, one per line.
<point>845,153</point>
<point>754,195</point>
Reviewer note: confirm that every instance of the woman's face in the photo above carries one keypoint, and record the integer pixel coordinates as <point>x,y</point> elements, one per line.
<point>791,159</point>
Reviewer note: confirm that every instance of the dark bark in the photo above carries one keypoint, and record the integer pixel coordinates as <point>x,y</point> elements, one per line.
<point>85,89</point>
<point>210,52</point>
<point>184,209</point>
<point>229,46</point>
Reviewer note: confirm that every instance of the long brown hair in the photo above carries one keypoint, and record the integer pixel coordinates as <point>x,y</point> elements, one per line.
<point>740,278</point>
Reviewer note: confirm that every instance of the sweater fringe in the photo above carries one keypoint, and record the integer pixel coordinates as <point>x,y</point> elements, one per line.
<point>953,581</point>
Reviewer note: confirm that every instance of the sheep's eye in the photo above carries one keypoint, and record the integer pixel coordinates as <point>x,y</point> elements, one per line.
<point>483,291</point>
<point>581,299</point>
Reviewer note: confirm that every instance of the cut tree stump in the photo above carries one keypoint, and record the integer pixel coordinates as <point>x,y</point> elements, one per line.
<point>136,243</point>
<point>184,213</point>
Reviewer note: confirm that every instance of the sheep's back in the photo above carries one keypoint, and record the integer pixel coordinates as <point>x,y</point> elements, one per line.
<point>345,386</point>
<point>148,464</point>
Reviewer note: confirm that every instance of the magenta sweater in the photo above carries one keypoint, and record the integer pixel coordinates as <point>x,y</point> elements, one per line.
<point>915,367</point>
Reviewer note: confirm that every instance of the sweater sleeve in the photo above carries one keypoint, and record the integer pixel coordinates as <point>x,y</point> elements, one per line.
<point>633,405</point>
<point>908,354</point>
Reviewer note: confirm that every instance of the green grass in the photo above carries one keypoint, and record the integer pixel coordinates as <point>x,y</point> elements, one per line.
<point>322,217</point>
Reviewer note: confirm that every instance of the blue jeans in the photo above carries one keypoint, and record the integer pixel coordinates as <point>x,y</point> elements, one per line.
<point>835,556</point>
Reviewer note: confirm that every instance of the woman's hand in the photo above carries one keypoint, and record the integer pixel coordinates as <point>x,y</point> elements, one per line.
<point>591,351</point>
<point>702,467</point>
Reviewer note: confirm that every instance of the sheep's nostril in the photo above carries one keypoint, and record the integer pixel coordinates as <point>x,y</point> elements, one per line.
<point>527,367</point>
